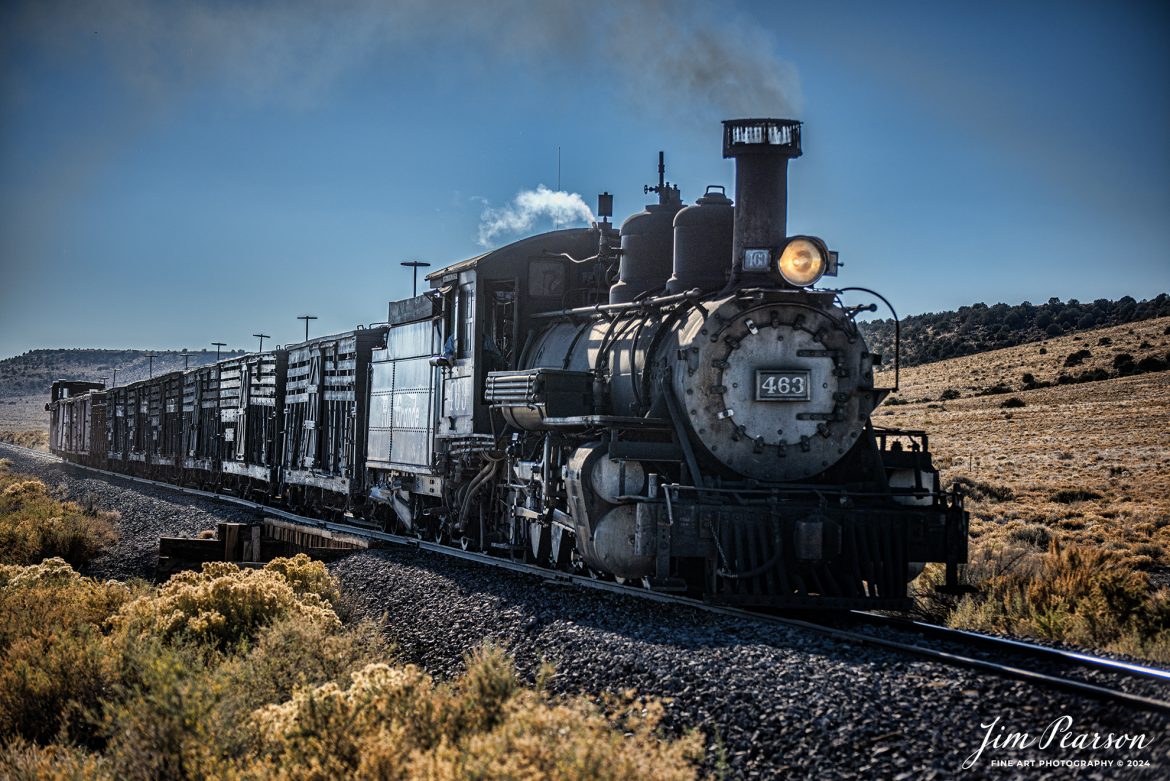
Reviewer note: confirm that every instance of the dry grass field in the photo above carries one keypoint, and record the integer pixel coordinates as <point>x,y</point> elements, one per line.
<point>24,421</point>
<point>24,413</point>
<point>1072,483</point>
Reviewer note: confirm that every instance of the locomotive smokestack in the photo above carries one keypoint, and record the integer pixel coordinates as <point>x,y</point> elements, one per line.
<point>762,149</point>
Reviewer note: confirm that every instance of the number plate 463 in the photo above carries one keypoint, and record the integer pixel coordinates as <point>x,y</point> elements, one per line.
<point>781,385</point>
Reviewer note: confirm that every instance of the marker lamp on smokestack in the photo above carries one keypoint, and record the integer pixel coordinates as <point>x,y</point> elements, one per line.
<point>804,261</point>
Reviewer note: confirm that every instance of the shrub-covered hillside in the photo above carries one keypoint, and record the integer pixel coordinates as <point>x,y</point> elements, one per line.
<point>935,336</point>
<point>31,373</point>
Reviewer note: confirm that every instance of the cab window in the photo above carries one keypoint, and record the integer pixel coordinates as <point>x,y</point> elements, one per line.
<point>466,315</point>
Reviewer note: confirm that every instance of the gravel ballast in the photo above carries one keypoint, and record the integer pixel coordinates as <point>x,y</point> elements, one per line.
<point>774,702</point>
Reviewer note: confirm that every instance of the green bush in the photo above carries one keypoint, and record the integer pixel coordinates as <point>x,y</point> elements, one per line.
<point>1070,495</point>
<point>978,489</point>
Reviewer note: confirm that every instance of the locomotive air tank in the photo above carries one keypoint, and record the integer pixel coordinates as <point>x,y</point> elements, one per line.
<point>702,243</point>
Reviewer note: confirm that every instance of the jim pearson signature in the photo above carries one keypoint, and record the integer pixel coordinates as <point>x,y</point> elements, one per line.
<point>1060,734</point>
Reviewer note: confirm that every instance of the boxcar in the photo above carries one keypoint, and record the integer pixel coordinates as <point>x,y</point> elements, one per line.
<point>252,390</point>
<point>77,420</point>
<point>128,427</point>
<point>201,428</point>
<point>326,412</point>
<point>164,442</point>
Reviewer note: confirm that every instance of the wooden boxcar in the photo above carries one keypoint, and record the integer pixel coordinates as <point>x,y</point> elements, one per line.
<point>77,421</point>
<point>326,412</point>
<point>252,391</point>
<point>201,428</point>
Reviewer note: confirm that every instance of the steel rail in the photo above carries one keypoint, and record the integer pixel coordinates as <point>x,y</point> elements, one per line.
<point>1010,645</point>
<point>1082,688</point>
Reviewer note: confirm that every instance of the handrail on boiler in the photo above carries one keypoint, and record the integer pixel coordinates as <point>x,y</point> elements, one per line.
<point>897,332</point>
<point>645,303</point>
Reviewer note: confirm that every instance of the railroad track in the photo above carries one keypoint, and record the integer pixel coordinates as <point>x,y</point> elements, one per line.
<point>956,645</point>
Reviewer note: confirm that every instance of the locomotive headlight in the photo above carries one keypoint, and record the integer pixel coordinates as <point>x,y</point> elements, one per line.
<point>803,261</point>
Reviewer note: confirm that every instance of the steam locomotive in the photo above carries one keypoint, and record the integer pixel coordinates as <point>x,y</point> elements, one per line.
<point>673,404</point>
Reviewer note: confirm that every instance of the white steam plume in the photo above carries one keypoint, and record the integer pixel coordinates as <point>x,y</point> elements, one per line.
<point>529,206</point>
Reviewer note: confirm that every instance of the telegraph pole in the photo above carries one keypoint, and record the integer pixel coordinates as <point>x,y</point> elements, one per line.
<point>150,363</point>
<point>262,337</point>
<point>306,318</point>
<point>416,265</point>
<point>114,384</point>
<point>186,357</point>
<point>217,346</point>
<point>103,379</point>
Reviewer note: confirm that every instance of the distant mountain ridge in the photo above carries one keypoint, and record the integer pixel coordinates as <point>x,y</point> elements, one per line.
<point>31,373</point>
<point>935,336</point>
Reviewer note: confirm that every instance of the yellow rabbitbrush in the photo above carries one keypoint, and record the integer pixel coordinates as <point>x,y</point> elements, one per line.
<point>35,526</point>
<point>249,674</point>
<point>395,723</point>
<point>224,604</point>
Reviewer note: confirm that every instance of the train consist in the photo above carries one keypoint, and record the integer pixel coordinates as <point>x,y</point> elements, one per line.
<point>673,404</point>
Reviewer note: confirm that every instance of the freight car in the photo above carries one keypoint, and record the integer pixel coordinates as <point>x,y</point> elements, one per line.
<point>77,421</point>
<point>674,404</point>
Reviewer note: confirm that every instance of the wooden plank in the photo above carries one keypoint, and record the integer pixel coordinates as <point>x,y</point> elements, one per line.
<point>190,549</point>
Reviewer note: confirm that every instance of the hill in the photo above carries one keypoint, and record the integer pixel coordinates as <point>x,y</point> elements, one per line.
<point>1089,357</point>
<point>33,372</point>
<point>25,379</point>
<point>936,336</point>
<point>1084,464</point>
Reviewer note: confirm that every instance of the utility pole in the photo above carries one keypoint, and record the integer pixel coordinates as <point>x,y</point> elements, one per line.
<point>262,337</point>
<point>217,346</point>
<point>416,265</point>
<point>186,357</point>
<point>557,223</point>
<point>306,318</point>
<point>103,379</point>
<point>114,384</point>
<point>150,365</point>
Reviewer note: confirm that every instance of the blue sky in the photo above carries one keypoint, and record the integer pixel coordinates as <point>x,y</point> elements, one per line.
<point>176,174</point>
